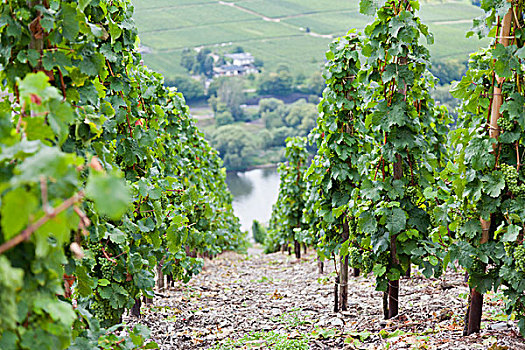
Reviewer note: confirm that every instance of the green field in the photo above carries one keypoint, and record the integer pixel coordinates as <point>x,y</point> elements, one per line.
<point>276,30</point>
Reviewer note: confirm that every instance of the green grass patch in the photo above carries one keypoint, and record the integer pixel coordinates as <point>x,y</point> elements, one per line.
<point>265,340</point>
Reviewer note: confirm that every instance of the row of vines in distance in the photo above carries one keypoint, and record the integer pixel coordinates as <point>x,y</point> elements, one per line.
<point>103,176</point>
<point>395,182</point>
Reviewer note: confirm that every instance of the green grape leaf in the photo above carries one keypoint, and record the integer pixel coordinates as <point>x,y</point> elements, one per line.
<point>59,227</point>
<point>512,233</point>
<point>17,209</point>
<point>85,283</point>
<point>379,270</point>
<point>494,183</point>
<point>344,248</point>
<point>70,22</point>
<point>82,4</point>
<point>395,220</point>
<point>117,236</point>
<point>58,310</point>
<point>109,193</point>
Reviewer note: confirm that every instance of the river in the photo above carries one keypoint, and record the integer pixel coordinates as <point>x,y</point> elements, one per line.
<point>254,193</point>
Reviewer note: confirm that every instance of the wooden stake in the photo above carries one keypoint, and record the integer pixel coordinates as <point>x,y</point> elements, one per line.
<point>343,272</point>
<point>393,286</point>
<point>475,309</point>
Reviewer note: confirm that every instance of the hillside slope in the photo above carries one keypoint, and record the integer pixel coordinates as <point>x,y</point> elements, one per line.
<point>291,32</point>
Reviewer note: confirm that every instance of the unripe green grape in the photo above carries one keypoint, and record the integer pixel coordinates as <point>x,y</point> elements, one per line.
<point>367,262</point>
<point>519,257</point>
<point>477,267</point>
<point>510,174</point>
<point>354,257</point>
<point>411,194</point>
<point>505,123</point>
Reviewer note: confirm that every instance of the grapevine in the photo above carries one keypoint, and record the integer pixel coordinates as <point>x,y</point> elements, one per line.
<point>102,124</point>
<point>286,222</point>
<point>490,127</point>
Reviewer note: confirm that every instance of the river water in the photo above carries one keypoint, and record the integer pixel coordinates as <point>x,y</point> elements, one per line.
<point>254,193</point>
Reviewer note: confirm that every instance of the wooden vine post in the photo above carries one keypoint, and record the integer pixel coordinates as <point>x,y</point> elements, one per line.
<point>296,243</point>
<point>475,308</point>
<point>343,271</point>
<point>393,286</point>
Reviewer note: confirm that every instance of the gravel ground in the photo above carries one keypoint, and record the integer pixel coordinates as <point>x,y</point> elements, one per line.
<point>238,294</point>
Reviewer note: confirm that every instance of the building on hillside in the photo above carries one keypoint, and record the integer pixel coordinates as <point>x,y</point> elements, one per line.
<point>229,70</point>
<point>241,59</point>
<point>238,64</point>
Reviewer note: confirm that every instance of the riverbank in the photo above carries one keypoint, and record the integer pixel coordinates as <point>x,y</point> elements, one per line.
<point>254,167</point>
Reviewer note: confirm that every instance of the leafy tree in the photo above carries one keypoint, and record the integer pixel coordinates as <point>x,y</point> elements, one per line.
<point>258,232</point>
<point>215,84</point>
<point>315,84</point>
<point>448,70</point>
<point>238,49</point>
<point>188,59</point>
<point>231,93</point>
<point>301,115</point>
<point>279,135</point>
<point>258,63</point>
<point>274,119</point>
<point>234,144</point>
<point>203,63</point>
<point>190,88</point>
<point>272,83</point>
<point>269,105</point>
<point>224,118</point>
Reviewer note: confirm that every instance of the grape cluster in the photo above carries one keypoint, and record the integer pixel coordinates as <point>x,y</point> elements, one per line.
<point>93,246</point>
<point>411,194</point>
<point>106,267</point>
<point>477,267</point>
<point>360,260</point>
<point>463,217</point>
<point>510,175</point>
<point>505,123</point>
<point>508,248</point>
<point>367,263</point>
<point>521,191</point>
<point>102,310</point>
<point>354,257</point>
<point>519,257</point>
<point>352,227</point>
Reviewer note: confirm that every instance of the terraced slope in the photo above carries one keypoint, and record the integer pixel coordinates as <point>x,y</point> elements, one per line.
<point>291,32</point>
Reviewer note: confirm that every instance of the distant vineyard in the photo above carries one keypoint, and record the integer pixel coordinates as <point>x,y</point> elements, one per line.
<point>291,32</point>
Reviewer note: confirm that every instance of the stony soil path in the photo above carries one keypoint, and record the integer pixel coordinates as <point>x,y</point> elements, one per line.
<point>276,294</point>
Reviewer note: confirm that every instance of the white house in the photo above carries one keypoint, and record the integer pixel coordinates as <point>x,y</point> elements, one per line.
<point>241,59</point>
<point>242,64</point>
